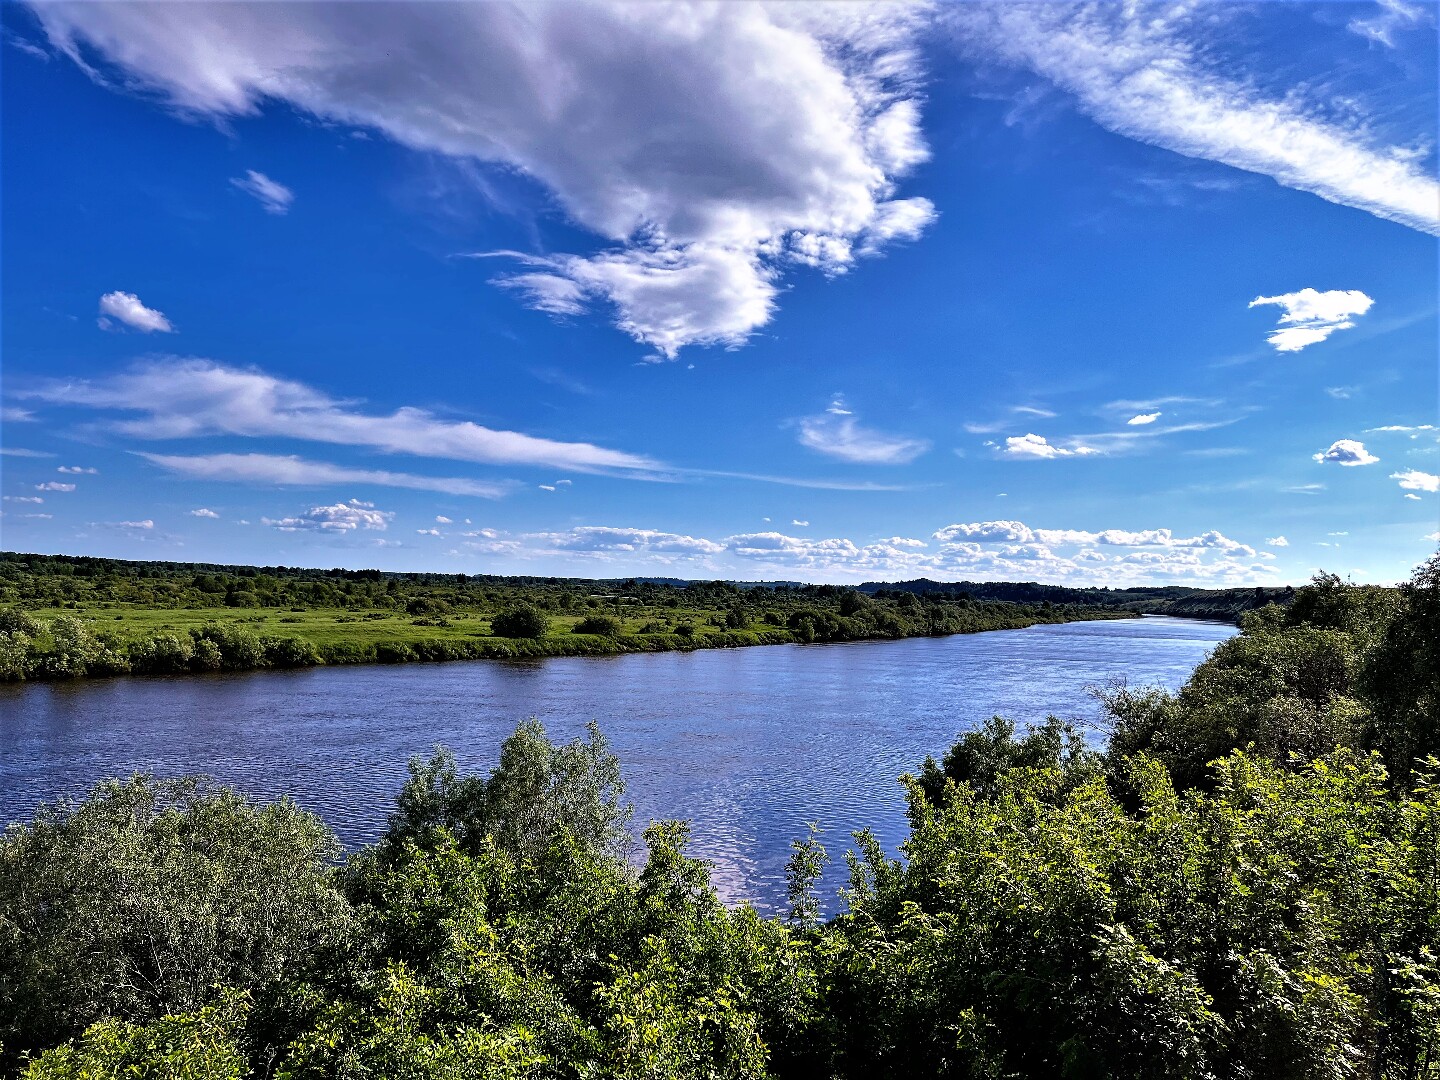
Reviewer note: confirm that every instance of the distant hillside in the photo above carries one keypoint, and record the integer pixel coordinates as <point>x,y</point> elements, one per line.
<point>1224,604</point>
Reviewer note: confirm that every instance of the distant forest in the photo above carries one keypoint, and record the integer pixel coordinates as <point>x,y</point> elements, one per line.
<point>1180,600</point>
<point>72,616</point>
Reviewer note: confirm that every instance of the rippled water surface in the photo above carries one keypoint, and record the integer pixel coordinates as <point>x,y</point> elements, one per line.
<point>747,744</point>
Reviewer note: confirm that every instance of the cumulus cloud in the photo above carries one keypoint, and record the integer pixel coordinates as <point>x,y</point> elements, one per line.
<point>275,197</point>
<point>1144,418</point>
<point>204,512</point>
<point>1143,71</point>
<point>1278,541</point>
<point>441,519</point>
<point>54,485</point>
<point>1035,446</point>
<point>186,398</point>
<point>292,471</point>
<point>341,517</point>
<point>126,308</point>
<point>709,147</point>
<point>1346,452</point>
<point>1311,317</point>
<point>77,469</point>
<point>976,550</point>
<point>1415,480</point>
<point>836,433</point>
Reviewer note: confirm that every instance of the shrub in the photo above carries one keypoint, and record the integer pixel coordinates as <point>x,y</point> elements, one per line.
<point>394,652</point>
<point>520,621</point>
<point>600,625</point>
<point>14,655</point>
<point>240,650</point>
<point>288,652</point>
<point>163,654</point>
<point>15,621</point>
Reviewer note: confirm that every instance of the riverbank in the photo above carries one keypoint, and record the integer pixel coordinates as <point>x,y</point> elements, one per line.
<point>96,642</point>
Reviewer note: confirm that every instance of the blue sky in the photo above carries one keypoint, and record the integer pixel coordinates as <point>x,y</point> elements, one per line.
<point>836,293</point>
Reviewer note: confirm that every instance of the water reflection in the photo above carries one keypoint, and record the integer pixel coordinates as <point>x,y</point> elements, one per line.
<point>748,745</point>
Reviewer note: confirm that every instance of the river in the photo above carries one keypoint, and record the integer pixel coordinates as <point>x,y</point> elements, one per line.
<point>747,744</point>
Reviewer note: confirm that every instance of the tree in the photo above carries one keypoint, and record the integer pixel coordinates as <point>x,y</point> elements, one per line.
<point>140,900</point>
<point>520,621</point>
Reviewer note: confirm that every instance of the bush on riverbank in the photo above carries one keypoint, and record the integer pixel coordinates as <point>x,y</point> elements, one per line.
<point>1059,911</point>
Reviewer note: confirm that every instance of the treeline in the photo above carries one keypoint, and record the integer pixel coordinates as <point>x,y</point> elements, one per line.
<point>1223,604</point>
<point>71,617</point>
<point>1242,882</point>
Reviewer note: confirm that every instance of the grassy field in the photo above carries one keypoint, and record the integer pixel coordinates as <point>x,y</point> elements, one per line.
<point>67,617</point>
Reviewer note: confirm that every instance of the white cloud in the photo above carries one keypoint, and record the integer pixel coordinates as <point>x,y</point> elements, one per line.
<point>1346,452</point>
<point>1415,480</point>
<point>1035,446</point>
<point>76,469</point>
<point>978,550</point>
<point>127,308</point>
<point>1278,541</point>
<point>797,521</point>
<point>1016,532</point>
<point>604,539</point>
<point>186,398</point>
<point>54,485</point>
<point>288,470</point>
<point>1141,71</point>
<point>342,517</point>
<point>1311,317</point>
<point>428,532</point>
<point>1402,428</point>
<point>709,146</point>
<point>23,498</point>
<point>1412,495</point>
<point>441,519</point>
<point>272,195</point>
<point>1144,418</point>
<point>1393,15</point>
<point>836,433</point>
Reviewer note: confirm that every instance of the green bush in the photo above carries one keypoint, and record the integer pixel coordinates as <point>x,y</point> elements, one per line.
<point>520,621</point>
<point>599,625</point>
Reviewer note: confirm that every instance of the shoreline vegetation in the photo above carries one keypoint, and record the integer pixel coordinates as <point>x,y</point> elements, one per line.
<point>1243,880</point>
<point>65,617</point>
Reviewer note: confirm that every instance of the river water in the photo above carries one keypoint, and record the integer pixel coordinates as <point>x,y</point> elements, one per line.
<point>747,744</point>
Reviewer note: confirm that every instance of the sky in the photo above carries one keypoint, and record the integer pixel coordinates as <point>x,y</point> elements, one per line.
<point>1089,294</point>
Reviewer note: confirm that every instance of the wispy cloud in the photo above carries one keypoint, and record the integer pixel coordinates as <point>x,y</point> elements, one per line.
<point>836,433</point>
<point>187,398</point>
<point>1311,317</point>
<point>1142,71</point>
<point>126,308</point>
<point>1036,446</point>
<point>1392,17</point>
<point>292,471</point>
<point>274,196</point>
